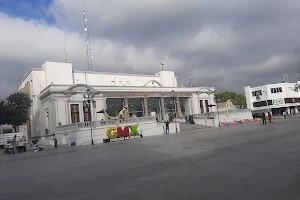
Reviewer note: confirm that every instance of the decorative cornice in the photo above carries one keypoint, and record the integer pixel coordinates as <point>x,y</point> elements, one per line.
<point>80,88</point>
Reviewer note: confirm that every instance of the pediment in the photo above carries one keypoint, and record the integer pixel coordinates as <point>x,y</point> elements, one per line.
<point>80,88</point>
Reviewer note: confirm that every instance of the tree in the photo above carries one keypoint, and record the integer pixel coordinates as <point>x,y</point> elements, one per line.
<point>3,112</point>
<point>236,99</point>
<point>17,105</point>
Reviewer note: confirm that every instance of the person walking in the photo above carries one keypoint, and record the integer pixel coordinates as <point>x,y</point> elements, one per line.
<point>14,144</point>
<point>167,127</point>
<point>284,114</point>
<point>264,118</point>
<point>270,118</point>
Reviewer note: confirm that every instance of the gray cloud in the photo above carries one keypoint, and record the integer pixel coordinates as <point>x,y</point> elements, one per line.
<point>229,44</point>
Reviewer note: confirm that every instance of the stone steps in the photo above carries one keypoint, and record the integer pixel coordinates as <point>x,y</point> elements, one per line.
<point>188,127</point>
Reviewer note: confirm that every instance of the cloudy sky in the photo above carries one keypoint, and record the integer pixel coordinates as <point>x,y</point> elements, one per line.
<point>225,43</point>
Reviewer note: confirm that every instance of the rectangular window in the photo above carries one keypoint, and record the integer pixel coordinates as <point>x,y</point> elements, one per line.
<point>206,105</point>
<point>87,113</point>
<point>201,106</point>
<point>276,90</point>
<point>260,104</point>
<point>75,113</point>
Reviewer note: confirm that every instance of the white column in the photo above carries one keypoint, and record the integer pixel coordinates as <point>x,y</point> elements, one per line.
<point>288,110</point>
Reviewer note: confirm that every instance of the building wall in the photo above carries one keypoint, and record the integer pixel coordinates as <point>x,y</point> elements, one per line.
<point>58,73</point>
<point>165,78</point>
<point>287,92</point>
<point>195,103</point>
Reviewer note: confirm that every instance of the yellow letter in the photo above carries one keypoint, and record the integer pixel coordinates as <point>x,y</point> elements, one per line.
<point>112,133</point>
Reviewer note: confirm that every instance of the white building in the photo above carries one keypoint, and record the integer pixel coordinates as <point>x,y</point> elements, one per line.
<point>276,98</point>
<point>57,94</point>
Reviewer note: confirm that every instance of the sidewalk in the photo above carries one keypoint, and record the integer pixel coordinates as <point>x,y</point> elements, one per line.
<point>288,116</point>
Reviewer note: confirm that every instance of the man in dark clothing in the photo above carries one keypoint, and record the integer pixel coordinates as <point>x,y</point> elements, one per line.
<point>167,127</point>
<point>264,118</point>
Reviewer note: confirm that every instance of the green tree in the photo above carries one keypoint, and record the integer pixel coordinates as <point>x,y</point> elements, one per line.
<point>236,99</point>
<point>3,112</point>
<point>18,105</point>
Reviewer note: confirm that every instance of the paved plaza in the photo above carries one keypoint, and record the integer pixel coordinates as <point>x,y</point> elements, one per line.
<point>245,162</point>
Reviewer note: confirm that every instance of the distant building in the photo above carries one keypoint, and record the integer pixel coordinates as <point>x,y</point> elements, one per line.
<point>57,94</point>
<point>276,98</point>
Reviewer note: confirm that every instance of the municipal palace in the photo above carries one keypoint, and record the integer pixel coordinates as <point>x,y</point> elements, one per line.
<point>58,96</point>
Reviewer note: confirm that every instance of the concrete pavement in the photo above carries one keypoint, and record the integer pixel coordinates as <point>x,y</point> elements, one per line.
<point>248,161</point>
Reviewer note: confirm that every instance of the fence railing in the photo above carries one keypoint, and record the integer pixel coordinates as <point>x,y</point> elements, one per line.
<point>95,124</point>
<point>65,128</point>
<point>212,115</point>
<point>5,138</point>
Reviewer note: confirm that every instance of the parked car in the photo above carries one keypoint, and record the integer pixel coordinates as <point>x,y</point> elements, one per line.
<point>257,115</point>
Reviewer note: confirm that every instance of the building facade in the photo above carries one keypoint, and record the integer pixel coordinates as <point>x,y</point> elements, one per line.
<point>57,94</point>
<point>276,98</point>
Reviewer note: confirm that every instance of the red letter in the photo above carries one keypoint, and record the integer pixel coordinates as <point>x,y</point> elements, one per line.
<point>123,132</point>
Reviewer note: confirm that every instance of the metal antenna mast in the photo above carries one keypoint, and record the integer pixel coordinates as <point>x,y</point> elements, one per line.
<point>66,54</point>
<point>162,66</point>
<point>285,77</point>
<point>87,40</point>
<point>191,80</point>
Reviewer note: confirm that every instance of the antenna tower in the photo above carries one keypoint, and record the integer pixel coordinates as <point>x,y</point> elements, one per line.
<point>191,80</point>
<point>87,40</point>
<point>66,54</point>
<point>285,77</point>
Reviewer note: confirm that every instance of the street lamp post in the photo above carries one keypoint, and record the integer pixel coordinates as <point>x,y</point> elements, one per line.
<point>89,102</point>
<point>174,96</point>
<point>217,100</point>
<point>47,115</point>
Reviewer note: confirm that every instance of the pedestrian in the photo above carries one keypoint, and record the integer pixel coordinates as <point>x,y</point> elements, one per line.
<point>55,142</point>
<point>284,114</point>
<point>186,119</point>
<point>14,144</point>
<point>264,118</point>
<point>270,118</point>
<point>167,127</point>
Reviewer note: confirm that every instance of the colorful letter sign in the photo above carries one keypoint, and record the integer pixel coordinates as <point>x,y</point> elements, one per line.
<point>119,134</point>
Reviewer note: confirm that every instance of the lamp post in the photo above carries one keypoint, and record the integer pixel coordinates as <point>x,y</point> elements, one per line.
<point>174,96</point>
<point>47,115</point>
<point>89,102</point>
<point>217,100</point>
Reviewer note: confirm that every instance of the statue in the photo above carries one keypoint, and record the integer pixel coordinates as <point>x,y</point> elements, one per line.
<point>229,105</point>
<point>122,114</point>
